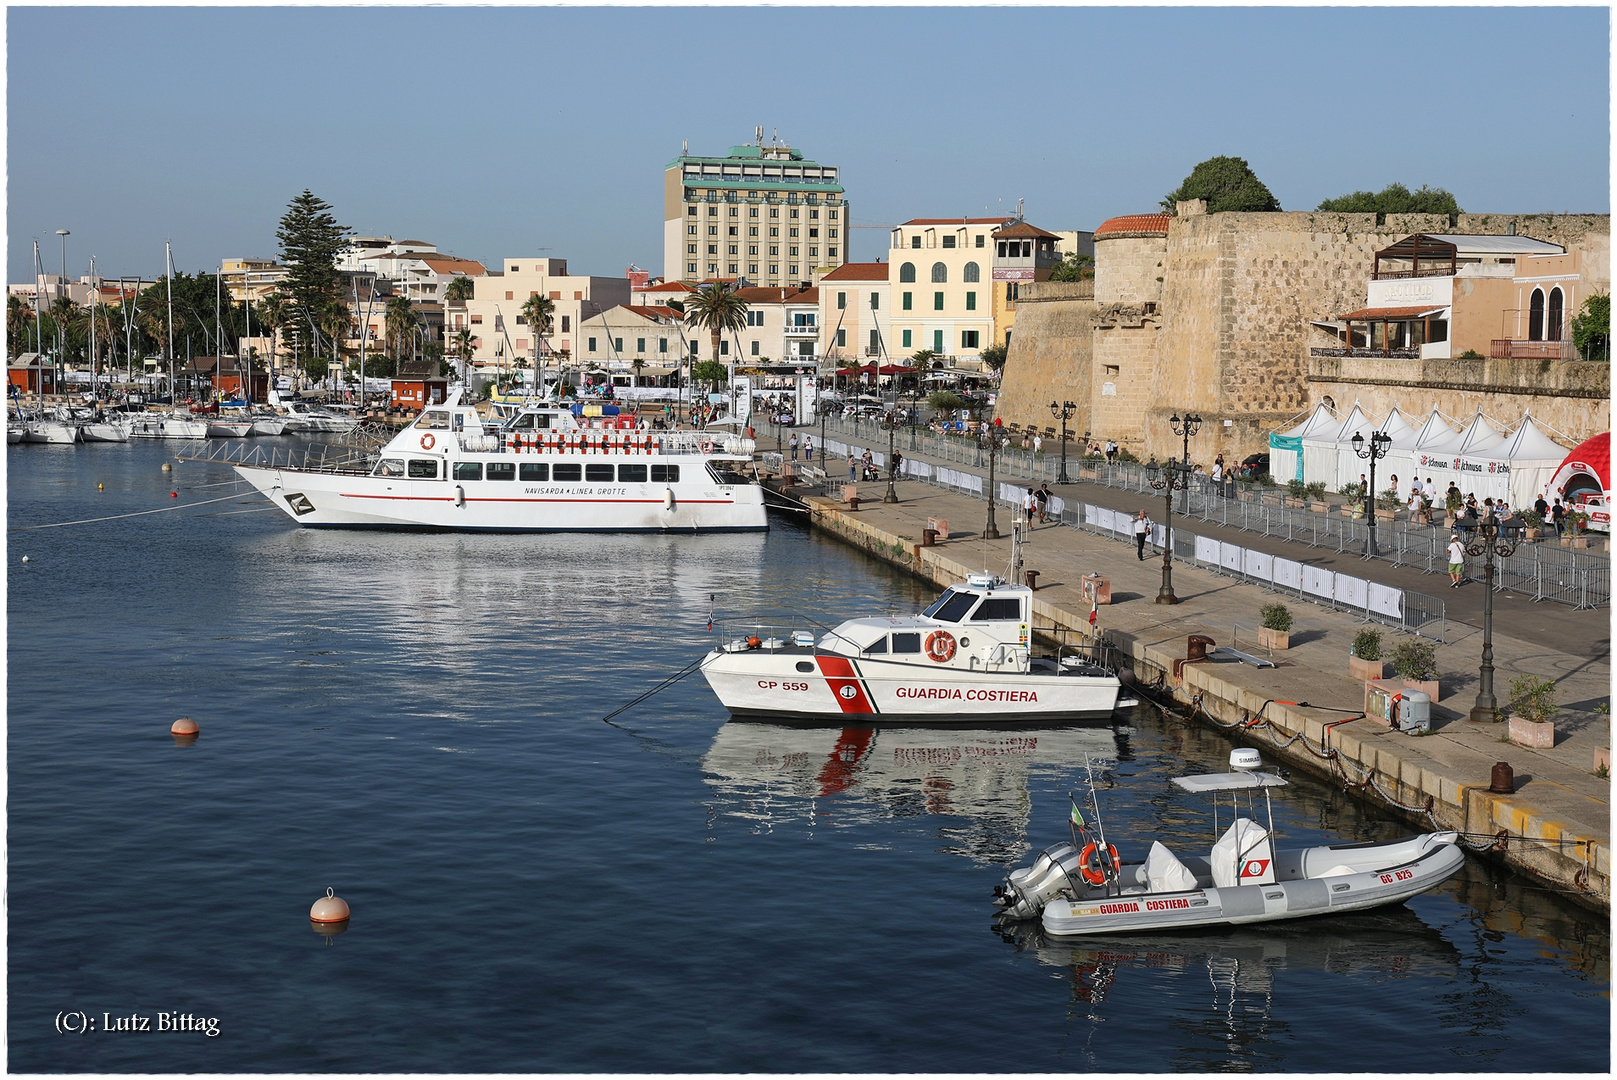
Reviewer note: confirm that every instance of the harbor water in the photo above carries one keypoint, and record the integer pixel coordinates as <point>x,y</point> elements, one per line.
<point>415,720</point>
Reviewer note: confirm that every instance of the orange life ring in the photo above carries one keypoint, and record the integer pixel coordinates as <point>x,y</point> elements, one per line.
<point>940,646</point>
<point>427,440</point>
<point>1096,875</point>
<point>707,446</point>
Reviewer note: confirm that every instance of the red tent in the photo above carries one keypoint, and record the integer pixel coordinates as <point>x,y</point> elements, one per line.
<point>1590,460</point>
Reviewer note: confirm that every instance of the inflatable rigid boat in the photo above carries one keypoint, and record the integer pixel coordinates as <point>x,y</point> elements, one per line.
<point>1084,888</point>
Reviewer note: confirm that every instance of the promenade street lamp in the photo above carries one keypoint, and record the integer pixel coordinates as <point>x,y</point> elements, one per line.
<point>1167,479</point>
<point>1186,429</point>
<point>1488,544</point>
<point>991,531</point>
<point>892,432</point>
<point>1063,412</point>
<point>1377,448</point>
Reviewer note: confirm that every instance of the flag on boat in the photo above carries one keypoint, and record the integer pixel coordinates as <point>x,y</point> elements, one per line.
<point>710,614</point>
<point>1094,609</point>
<point>1077,818</point>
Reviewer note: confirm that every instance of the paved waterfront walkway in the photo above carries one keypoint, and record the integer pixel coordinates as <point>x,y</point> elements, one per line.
<point>1558,783</point>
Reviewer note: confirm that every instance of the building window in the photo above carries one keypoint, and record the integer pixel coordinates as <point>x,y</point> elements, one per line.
<point>735,249</point>
<point>791,253</point>
<point>793,212</point>
<point>948,241</point>
<point>875,301</point>
<point>906,272</point>
<point>906,338</point>
<point>937,301</point>
<point>814,215</point>
<point>774,268</point>
<point>592,344</point>
<point>832,214</point>
<point>842,301</point>
<point>695,348</point>
<point>690,211</point>
<point>791,232</point>
<point>735,211</point>
<point>662,344</point>
<point>971,273</point>
<point>752,249</point>
<point>713,211</point>
<point>690,230</point>
<point>477,320</point>
<point>774,212</point>
<point>752,211</point>
<point>510,296</point>
<point>813,251</point>
<point>937,341</point>
<point>979,242</point>
<point>640,345</point>
<point>774,249</point>
<point>690,249</point>
<point>842,338</point>
<point>617,344</point>
<point>752,230</point>
<point>1554,326</point>
<point>814,232</point>
<point>1535,316</point>
<point>755,348</point>
<point>905,301</point>
<point>724,348</point>
<point>831,234</point>
<point>690,268</point>
<point>752,268</point>
<point>1013,290</point>
<point>774,231</point>
<point>733,269</point>
<point>940,273</point>
<point>713,230</point>
<point>713,249</point>
<point>875,341</point>
<point>968,339</point>
<point>735,230</point>
<point>971,301</point>
<point>915,241</point>
<point>566,324</point>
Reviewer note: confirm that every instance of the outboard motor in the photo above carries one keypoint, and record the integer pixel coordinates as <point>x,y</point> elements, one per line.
<point>1027,890</point>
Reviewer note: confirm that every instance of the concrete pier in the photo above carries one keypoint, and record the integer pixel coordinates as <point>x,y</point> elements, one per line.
<point>1555,825</point>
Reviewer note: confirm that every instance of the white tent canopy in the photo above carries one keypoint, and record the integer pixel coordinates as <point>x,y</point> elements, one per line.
<point>1286,447</point>
<point>1322,452</point>
<point>1400,455</point>
<point>1517,469</point>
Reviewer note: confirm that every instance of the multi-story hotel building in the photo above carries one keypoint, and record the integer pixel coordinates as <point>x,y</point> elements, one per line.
<point>761,212</point>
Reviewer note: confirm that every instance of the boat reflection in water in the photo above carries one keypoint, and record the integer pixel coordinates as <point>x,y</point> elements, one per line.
<point>1237,972</point>
<point>773,773</point>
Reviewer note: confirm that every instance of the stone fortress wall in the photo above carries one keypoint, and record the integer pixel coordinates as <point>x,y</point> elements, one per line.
<point>1226,333</point>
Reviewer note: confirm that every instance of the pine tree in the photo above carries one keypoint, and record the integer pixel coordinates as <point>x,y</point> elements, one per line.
<point>311,240</point>
<point>1228,184</point>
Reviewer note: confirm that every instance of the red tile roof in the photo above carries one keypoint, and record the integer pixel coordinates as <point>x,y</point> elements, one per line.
<point>873,271</point>
<point>448,264</point>
<point>653,312</point>
<point>1022,230</point>
<point>669,286</point>
<point>1133,225</point>
<point>959,221</point>
<point>761,294</point>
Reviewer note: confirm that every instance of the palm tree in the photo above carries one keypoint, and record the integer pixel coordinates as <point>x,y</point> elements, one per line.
<point>272,314</point>
<point>401,321</point>
<point>336,322</point>
<point>540,313</point>
<point>639,365</point>
<point>718,308</point>
<point>463,348</point>
<point>459,290</point>
<point>19,323</point>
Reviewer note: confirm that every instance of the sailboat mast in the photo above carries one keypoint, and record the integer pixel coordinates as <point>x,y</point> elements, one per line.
<point>168,259</point>
<point>39,325</point>
<point>95,369</point>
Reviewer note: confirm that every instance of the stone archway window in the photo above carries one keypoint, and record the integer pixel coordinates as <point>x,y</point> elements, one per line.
<point>1328,401</point>
<point>940,273</point>
<point>971,273</point>
<point>1557,308</point>
<point>1535,316</point>
<point>906,272</point>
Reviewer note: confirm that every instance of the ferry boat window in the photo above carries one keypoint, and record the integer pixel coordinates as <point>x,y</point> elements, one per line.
<point>952,606</point>
<point>998,609</point>
<point>631,474</point>
<point>535,470</point>
<point>433,420</point>
<point>598,474</point>
<point>502,470</point>
<point>877,646</point>
<point>423,469</point>
<point>468,470</point>
<point>567,472</point>
<point>665,474</point>
<point>907,643</point>
<point>390,467</point>
<point>523,422</point>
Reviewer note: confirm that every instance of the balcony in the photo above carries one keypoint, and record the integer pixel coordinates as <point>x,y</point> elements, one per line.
<point>798,333</point>
<point>1506,349</point>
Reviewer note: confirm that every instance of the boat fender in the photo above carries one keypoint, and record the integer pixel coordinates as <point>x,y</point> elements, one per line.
<point>460,495</point>
<point>668,498</point>
<point>940,646</point>
<point>754,642</point>
<point>427,440</point>
<point>1092,868</point>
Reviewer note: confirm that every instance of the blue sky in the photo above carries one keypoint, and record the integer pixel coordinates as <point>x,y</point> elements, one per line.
<point>497,132</point>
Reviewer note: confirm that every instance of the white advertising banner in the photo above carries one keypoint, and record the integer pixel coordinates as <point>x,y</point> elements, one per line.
<point>1258,565</point>
<point>1318,581</point>
<point>1288,574</point>
<point>1351,591</point>
<point>1386,601</point>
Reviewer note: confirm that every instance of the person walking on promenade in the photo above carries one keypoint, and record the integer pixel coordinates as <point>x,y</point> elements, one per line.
<point>853,469</point>
<point>1043,495</point>
<point>808,448</point>
<point>1111,451</point>
<point>792,442</point>
<point>1456,560</point>
<point>1142,529</point>
<point>1558,516</point>
<point>1030,507</point>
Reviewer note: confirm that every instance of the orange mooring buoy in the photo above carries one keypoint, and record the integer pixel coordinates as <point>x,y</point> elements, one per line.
<point>329,909</point>
<point>184,728</point>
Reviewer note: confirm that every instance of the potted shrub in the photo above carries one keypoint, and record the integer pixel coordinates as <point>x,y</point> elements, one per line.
<point>1415,662</point>
<point>1275,633</point>
<point>1316,497</point>
<point>1296,490</point>
<point>1532,711</point>
<point>1354,507</point>
<point>1364,655</point>
<point>1577,530</point>
<point>1387,504</point>
<point>1533,525</point>
<point>1452,504</point>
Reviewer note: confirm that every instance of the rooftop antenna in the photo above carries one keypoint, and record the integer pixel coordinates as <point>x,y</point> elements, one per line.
<point>1018,209</point>
<point>777,136</point>
<point>685,148</point>
<point>758,134</point>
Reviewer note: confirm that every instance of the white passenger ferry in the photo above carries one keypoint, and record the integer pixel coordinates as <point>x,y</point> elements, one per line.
<point>544,470</point>
<point>966,657</point>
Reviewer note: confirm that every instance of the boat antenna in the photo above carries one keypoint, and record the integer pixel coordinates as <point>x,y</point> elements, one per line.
<point>1100,827</point>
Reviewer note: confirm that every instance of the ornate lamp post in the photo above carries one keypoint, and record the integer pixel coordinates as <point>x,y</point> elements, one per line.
<point>1379,445</point>
<point>892,432</point>
<point>1186,429</point>
<point>991,531</point>
<point>1167,479</point>
<point>1063,412</point>
<point>1487,544</point>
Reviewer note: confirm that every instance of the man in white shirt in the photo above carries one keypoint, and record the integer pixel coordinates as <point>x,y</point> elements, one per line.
<point>1456,561</point>
<point>1142,529</point>
<point>1030,506</point>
